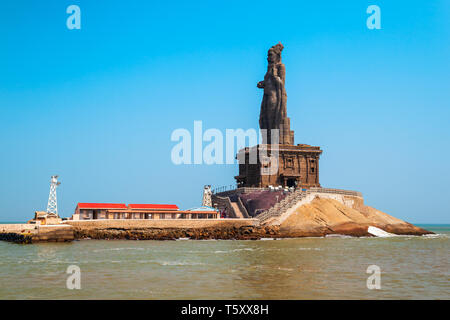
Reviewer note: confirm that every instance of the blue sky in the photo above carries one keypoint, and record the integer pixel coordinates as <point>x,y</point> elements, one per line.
<point>98,105</point>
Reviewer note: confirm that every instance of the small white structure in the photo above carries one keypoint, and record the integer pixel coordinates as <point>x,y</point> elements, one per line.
<point>207,193</point>
<point>377,232</point>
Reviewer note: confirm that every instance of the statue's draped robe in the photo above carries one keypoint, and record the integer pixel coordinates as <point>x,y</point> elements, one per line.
<point>273,106</point>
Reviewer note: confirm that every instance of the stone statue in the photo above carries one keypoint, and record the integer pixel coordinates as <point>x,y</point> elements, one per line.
<point>207,193</point>
<point>273,113</point>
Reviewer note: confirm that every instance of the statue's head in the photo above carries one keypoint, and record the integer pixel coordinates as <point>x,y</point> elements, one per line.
<point>274,54</point>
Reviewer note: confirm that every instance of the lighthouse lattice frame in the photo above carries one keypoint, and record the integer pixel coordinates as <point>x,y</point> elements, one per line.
<point>52,206</point>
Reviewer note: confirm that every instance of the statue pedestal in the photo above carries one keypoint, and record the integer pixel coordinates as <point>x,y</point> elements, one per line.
<point>289,166</point>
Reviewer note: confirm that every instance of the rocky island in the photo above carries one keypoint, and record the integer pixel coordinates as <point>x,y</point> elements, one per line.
<point>278,195</point>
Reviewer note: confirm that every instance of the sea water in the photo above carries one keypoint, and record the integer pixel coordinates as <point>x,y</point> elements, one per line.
<point>304,268</point>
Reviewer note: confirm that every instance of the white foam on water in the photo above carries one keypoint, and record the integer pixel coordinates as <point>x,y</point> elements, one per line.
<point>434,236</point>
<point>234,250</point>
<point>178,263</point>
<point>170,262</point>
<point>377,232</point>
<point>117,249</point>
<point>341,236</point>
<point>285,269</point>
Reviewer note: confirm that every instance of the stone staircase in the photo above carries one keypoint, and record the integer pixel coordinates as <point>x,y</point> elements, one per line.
<point>237,210</point>
<point>280,207</point>
<point>277,213</point>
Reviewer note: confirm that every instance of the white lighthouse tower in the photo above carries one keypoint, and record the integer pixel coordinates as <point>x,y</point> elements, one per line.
<point>52,206</point>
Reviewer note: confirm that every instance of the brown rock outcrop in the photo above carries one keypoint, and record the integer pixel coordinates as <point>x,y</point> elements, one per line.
<point>328,216</point>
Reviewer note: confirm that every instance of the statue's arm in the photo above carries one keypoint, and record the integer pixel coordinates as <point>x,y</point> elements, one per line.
<point>260,85</point>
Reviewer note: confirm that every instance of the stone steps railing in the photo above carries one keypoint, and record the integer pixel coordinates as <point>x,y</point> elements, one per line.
<point>337,191</point>
<point>223,189</point>
<point>227,190</point>
<point>242,208</point>
<point>225,202</point>
<point>282,206</point>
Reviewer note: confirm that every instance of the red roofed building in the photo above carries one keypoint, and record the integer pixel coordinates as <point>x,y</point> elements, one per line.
<point>100,211</point>
<point>89,211</point>
<point>102,206</point>
<point>153,206</point>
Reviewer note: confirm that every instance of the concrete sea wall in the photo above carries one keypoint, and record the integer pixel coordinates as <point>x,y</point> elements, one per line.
<point>30,233</point>
<point>170,229</point>
<point>16,228</point>
<point>163,223</point>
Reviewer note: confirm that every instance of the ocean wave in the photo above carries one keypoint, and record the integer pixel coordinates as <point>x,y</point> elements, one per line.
<point>266,267</point>
<point>434,236</point>
<point>340,236</point>
<point>117,249</point>
<point>234,250</point>
<point>170,262</point>
<point>285,269</point>
<point>178,263</point>
<point>411,236</point>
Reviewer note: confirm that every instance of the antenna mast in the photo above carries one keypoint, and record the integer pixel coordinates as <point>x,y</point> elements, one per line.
<point>52,206</point>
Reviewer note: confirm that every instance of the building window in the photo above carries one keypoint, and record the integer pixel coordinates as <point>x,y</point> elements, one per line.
<point>289,163</point>
<point>312,169</point>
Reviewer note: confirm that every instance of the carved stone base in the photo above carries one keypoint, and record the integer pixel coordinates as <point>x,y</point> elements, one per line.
<point>289,166</point>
